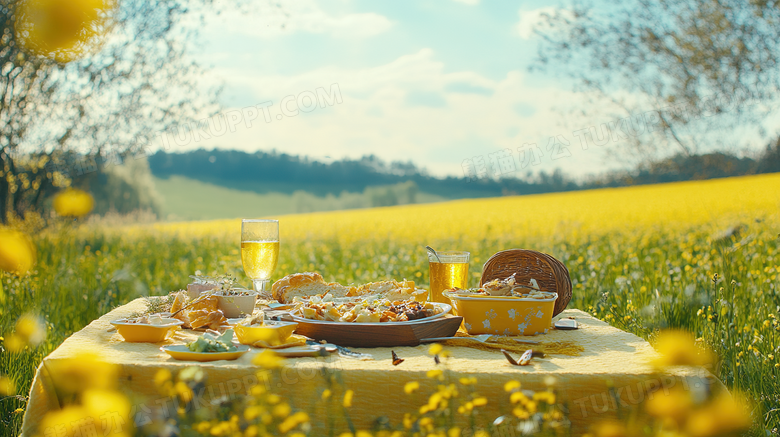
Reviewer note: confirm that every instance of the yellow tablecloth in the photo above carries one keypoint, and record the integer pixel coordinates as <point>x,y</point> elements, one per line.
<point>612,358</point>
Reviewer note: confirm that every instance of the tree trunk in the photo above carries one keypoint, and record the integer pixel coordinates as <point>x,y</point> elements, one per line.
<point>3,191</point>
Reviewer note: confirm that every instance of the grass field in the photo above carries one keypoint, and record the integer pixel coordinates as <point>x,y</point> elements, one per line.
<point>189,199</point>
<point>641,258</point>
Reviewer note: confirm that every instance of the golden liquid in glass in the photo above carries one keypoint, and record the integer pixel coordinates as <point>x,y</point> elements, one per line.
<point>259,258</point>
<point>445,276</point>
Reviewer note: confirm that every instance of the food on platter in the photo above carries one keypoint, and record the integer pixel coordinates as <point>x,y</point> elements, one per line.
<point>370,309</point>
<point>152,319</point>
<point>209,342</point>
<point>199,313</point>
<point>505,288</point>
<point>201,284</point>
<point>305,285</point>
<point>146,329</point>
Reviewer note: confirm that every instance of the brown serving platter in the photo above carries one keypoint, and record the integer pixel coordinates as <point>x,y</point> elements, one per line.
<point>390,334</point>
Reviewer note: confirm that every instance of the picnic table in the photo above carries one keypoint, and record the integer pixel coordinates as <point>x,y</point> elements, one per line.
<point>613,361</point>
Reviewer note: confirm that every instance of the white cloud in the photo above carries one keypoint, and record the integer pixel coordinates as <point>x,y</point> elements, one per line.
<point>536,19</point>
<point>411,109</point>
<point>467,2</point>
<point>268,21</point>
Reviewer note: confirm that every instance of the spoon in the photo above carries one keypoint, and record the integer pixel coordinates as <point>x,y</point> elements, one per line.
<point>430,249</point>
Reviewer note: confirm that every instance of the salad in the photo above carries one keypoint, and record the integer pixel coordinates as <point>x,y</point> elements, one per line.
<point>213,343</point>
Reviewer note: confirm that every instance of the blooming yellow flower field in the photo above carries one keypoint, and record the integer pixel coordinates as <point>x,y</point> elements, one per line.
<point>700,256</point>
<point>562,216</point>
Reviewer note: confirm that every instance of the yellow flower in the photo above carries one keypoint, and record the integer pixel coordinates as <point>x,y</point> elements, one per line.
<point>545,396</point>
<point>453,432</point>
<point>268,359</point>
<point>325,394</point>
<point>203,427</point>
<point>162,378</point>
<point>408,421</point>
<point>480,401</point>
<point>435,349</point>
<point>675,404</point>
<point>14,343</point>
<point>17,252</point>
<point>725,415</point>
<point>518,397</point>
<point>183,391</point>
<point>293,421</point>
<point>348,398</point>
<point>468,381</point>
<point>7,386</point>
<point>435,373</point>
<point>411,387</point>
<point>73,203</point>
<point>31,329</point>
<point>678,348</point>
<point>61,29</point>
<point>19,411</point>
<point>520,413</point>
<point>83,372</point>
<point>511,386</point>
<point>610,429</point>
<point>282,410</point>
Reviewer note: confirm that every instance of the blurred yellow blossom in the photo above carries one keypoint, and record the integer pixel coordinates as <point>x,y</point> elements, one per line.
<point>31,329</point>
<point>678,348</point>
<point>268,359</point>
<point>84,371</point>
<point>14,343</point>
<point>73,203</point>
<point>411,387</point>
<point>724,415</point>
<point>468,381</point>
<point>348,398</point>
<point>326,394</point>
<point>435,374</point>
<point>673,404</point>
<point>435,349</point>
<point>512,385</point>
<point>610,429</point>
<point>7,386</point>
<point>17,252</point>
<point>545,396</point>
<point>61,29</point>
<point>293,421</point>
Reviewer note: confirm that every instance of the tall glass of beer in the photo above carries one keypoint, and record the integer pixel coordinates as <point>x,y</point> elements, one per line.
<point>449,270</point>
<point>260,250</point>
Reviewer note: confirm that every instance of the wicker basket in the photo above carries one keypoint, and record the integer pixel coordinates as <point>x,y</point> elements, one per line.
<point>550,274</point>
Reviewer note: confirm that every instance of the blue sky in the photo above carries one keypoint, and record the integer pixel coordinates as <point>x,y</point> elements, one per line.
<point>437,82</point>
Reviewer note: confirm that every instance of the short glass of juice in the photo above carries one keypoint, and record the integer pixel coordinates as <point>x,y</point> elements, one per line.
<point>449,270</point>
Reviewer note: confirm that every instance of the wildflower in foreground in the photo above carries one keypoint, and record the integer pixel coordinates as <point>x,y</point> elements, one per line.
<point>61,29</point>
<point>678,348</point>
<point>17,252</point>
<point>348,398</point>
<point>7,386</point>
<point>83,372</point>
<point>73,203</point>
<point>31,329</point>
<point>268,359</point>
<point>411,387</point>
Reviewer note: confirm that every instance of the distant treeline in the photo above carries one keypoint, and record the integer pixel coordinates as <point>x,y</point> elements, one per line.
<point>264,172</point>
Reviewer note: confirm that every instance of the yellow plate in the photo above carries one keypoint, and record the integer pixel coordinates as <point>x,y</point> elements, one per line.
<point>140,333</point>
<point>181,352</point>
<point>272,332</point>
